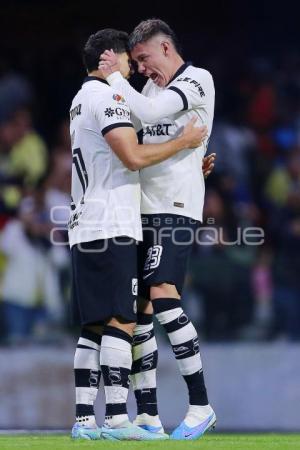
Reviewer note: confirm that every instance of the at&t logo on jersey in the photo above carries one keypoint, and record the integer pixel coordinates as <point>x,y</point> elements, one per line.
<point>157,130</point>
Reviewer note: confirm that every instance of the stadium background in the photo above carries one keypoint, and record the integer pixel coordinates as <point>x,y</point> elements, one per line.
<point>245,299</point>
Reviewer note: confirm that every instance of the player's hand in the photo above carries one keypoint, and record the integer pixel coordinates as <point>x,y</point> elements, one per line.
<point>208,164</point>
<point>194,136</point>
<point>108,63</point>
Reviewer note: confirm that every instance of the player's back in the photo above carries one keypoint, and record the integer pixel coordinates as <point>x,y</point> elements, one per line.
<point>176,186</point>
<point>105,194</point>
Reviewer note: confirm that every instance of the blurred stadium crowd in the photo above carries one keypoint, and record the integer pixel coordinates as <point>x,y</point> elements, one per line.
<point>234,291</point>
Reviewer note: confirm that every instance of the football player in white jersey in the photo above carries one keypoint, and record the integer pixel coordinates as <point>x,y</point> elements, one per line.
<point>104,227</point>
<point>172,204</point>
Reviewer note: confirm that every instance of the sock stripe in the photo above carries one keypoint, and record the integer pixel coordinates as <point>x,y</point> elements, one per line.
<point>86,358</point>
<point>144,364</point>
<point>117,333</point>
<point>141,350</point>
<point>165,304</point>
<point>86,347</point>
<point>83,410</point>
<point>146,401</point>
<point>184,334</point>
<point>197,389</point>
<point>113,409</point>
<point>144,319</point>
<point>180,322</point>
<point>116,394</point>
<point>143,337</point>
<point>115,376</point>
<point>186,349</point>
<point>87,378</point>
<point>188,366</point>
<point>89,344</point>
<point>86,395</point>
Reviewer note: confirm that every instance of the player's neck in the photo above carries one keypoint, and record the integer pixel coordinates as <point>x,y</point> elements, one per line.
<point>177,63</point>
<point>96,73</point>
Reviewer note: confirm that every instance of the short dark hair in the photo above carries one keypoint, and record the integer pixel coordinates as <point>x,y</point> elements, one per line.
<point>99,42</point>
<point>146,29</point>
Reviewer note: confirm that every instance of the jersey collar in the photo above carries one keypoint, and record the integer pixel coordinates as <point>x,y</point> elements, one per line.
<point>179,71</point>
<point>90,78</point>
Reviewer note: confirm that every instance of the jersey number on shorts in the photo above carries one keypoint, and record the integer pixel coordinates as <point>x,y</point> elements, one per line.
<point>80,169</point>
<point>153,257</point>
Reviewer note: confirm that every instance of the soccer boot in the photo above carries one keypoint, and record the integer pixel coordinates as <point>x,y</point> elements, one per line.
<point>150,423</point>
<point>82,431</point>
<point>131,432</point>
<point>189,429</point>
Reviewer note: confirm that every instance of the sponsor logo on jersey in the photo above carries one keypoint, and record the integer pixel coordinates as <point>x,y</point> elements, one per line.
<point>119,98</point>
<point>195,83</point>
<point>157,130</point>
<point>117,113</point>
<point>109,112</point>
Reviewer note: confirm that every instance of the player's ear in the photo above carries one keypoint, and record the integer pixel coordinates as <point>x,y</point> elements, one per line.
<point>165,47</point>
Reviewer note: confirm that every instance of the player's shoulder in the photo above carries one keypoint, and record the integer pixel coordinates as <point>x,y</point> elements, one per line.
<point>194,73</point>
<point>97,88</point>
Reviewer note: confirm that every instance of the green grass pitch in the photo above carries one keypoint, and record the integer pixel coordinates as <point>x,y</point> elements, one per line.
<point>209,442</point>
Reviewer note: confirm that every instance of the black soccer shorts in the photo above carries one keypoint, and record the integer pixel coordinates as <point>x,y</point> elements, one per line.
<point>164,253</point>
<point>104,280</point>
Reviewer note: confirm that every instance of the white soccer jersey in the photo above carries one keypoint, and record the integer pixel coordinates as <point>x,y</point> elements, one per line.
<point>176,185</point>
<point>105,194</point>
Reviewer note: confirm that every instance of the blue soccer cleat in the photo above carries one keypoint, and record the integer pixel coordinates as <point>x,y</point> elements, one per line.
<point>131,433</point>
<point>80,431</point>
<point>184,432</point>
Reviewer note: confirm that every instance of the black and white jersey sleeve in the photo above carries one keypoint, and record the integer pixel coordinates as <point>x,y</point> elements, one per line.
<point>112,111</point>
<point>148,110</point>
<point>195,87</point>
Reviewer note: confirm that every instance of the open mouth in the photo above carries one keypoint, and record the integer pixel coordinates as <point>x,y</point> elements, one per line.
<point>154,77</point>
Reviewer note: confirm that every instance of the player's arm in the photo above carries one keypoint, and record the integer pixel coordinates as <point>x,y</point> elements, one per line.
<point>134,156</point>
<point>148,110</point>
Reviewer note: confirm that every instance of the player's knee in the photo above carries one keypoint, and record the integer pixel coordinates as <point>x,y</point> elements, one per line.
<point>164,290</point>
